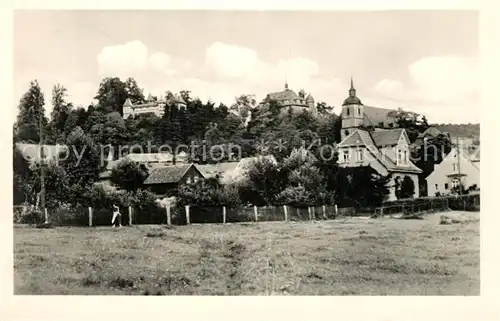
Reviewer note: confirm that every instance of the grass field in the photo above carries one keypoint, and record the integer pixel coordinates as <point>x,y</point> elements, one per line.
<point>340,257</point>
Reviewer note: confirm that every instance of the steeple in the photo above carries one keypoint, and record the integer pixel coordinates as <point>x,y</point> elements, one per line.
<point>352,99</point>
<point>286,85</point>
<point>352,91</point>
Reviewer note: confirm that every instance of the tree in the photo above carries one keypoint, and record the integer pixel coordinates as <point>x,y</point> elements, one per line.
<point>57,186</point>
<point>31,118</point>
<point>323,108</point>
<point>305,184</point>
<point>208,192</point>
<point>129,175</point>
<point>134,92</point>
<point>361,187</point>
<point>83,163</point>
<point>263,184</point>
<point>407,188</point>
<point>22,174</point>
<point>243,105</point>
<point>113,92</point>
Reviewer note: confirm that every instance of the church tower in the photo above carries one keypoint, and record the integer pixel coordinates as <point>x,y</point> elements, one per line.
<point>352,113</point>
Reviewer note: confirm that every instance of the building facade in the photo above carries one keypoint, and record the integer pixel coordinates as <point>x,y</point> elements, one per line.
<point>287,99</point>
<point>368,138</point>
<point>356,115</point>
<point>152,105</point>
<point>460,166</point>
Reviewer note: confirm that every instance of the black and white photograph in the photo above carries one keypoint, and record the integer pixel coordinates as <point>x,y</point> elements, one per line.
<point>246,153</point>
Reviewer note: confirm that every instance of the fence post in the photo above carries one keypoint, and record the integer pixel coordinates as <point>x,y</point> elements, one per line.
<point>313,212</point>
<point>188,221</point>
<point>324,212</point>
<point>286,212</point>
<point>256,213</point>
<point>90,216</point>
<point>309,212</point>
<point>223,214</point>
<point>336,210</point>
<point>169,216</point>
<point>130,215</point>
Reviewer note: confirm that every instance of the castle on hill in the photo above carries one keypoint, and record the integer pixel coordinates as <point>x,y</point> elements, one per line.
<point>288,98</point>
<point>152,105</point>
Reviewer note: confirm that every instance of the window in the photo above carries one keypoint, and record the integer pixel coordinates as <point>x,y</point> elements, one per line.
<point>436,186</point>
<point>346,133</point>
<point>360,155</point>
<point>455,183</point>
<point>188,180</point>
<point>196,178</point>
<point>359,111</point>
<point>347,111</point>
<point>445,185</point>
<point>346,156</point>
<point>400,156</point>
<point>455,167</point>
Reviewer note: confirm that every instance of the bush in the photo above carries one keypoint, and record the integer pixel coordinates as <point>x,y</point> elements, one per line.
<point>31,216</point>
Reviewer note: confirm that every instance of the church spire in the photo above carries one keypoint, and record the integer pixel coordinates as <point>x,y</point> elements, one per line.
<point>286,84</point>
<point>352,91</point>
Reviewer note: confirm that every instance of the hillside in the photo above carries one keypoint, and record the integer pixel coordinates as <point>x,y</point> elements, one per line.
<point>460,130</point>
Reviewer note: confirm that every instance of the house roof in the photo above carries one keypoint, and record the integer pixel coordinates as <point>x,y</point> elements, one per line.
<point>231,171</point>
<point>286,94</point>
<point>386,137</point>
<point>365,139</point>
<point>431,131</point>
<point>169,174</point>
<point>375,116</point>
<point>31,152</point>
<point>105,175</point>
<point>222,170</point>
<point>149,158</point>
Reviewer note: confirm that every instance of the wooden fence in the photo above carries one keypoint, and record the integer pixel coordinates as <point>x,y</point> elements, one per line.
<point>184,215</point>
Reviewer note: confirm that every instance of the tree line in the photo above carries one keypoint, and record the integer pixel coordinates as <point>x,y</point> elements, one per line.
<point>295,179</point>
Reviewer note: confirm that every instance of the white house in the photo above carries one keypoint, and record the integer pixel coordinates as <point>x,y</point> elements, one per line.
<point>461,165</point>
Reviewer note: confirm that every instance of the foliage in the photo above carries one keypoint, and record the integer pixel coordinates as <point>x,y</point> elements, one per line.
<point>208,193</point>
<point>361,187</point>
<point>83,163</point>
<point>22,189</point>
<point>31,114</point>
<point>264,182</point>
<point>407,187</point>
<point>59,116</point>
<point>113,92</point>
<point>129,175</point>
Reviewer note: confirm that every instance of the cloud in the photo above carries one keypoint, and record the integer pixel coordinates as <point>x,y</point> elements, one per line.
<point>227,61</point>
<point>435,84</point>
<point>445,79</point>
<point>132,59</point>
<point>123,60</point>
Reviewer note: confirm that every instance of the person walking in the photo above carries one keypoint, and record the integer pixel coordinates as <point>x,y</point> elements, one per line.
<point>117,216</point>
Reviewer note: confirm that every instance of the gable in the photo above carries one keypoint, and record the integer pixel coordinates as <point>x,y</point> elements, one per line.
<point>354,139</point>
<point>446,166</point>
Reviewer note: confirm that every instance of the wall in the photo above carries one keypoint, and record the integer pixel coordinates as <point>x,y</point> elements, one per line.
<point>368,160</point>
<point>440,175</point>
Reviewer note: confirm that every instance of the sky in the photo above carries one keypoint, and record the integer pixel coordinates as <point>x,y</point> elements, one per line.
<point>423,61</point>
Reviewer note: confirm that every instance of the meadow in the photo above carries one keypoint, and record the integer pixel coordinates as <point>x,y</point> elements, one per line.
<point>347,256</point>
